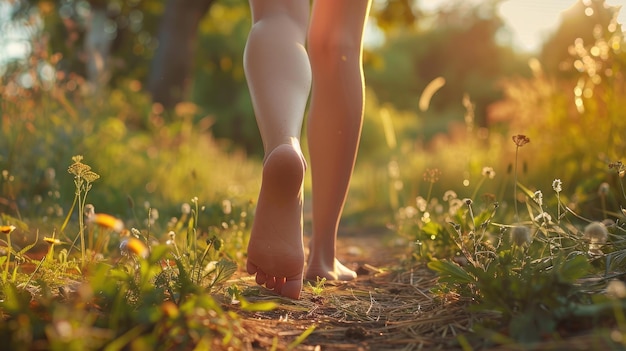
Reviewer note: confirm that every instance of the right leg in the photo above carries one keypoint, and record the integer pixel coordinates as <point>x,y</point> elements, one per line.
<point>279,78</point>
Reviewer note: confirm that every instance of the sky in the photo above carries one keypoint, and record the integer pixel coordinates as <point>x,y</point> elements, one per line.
<point>531,20</point>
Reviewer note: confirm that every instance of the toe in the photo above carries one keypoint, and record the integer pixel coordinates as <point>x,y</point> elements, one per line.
<point>292,288</point>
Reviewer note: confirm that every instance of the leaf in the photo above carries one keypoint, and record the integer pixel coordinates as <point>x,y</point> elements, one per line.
<point>300,339</point>
<point>451,272</point>
<point>225,269</point>
<point>262,306</point>
<point>574,268</point>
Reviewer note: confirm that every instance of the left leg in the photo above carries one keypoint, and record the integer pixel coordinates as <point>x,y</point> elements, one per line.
<point>334,125</point>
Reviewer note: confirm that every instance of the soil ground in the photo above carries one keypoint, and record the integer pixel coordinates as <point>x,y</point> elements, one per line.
<point>388,307</point>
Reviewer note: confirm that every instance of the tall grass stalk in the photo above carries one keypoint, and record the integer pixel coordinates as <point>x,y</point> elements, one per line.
<point>519,140</point>
<point>83,177</point>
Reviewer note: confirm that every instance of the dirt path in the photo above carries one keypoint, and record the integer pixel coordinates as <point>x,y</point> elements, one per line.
<point>388,307</point>
<point>384,309</point>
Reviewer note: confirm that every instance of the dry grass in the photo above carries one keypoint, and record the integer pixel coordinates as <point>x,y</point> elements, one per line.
<point>384,309</point>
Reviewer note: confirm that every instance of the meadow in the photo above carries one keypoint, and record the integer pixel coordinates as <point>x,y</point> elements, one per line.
<point>124,224</point>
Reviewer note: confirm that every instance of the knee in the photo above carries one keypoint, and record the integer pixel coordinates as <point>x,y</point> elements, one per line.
<point>335,47</point>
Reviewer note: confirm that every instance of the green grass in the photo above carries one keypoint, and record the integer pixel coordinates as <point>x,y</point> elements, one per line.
<point>533,233</point>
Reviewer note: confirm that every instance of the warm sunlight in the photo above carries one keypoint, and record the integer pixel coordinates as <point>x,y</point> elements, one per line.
<point>530,20</point>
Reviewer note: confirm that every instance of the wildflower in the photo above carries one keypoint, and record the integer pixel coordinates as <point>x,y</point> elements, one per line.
<point>603,190</point>
<point>488,172</point>
<point>52,241</point>
<point>7,229</point>
<point>521,140</point>
<point>597,234</point>
<point>538,197</point>
<point>557,185</point>
<point>521,236</point>
<point>135,246</point>
<point>468,201</point>
<point>106,221</point>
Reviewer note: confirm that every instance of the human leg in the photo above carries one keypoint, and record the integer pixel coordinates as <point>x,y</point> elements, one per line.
<point>279,78</point>
<point>334,125</point>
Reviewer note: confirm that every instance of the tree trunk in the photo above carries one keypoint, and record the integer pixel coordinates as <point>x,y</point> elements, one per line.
<point>97,50</point>
<point>172,64</point>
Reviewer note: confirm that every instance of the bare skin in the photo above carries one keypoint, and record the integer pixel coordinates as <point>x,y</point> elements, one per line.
<point>280,72</point>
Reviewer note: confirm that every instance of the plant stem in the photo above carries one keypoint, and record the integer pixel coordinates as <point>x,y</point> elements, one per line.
<point>515,185</point>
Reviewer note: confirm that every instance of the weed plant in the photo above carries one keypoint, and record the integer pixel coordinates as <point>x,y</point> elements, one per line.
<point>145,294</point>
<point>540,274</point>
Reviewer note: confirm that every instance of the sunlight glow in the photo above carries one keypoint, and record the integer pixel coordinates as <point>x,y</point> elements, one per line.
<point>531,21</point>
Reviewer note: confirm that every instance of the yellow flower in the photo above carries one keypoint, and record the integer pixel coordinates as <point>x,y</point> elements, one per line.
<point>7,229</point>
<point>51,241</point>
<point>106,221</point>
<point>135,246</point>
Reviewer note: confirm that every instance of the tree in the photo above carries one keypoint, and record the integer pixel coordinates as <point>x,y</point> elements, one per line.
<point>172,65</point>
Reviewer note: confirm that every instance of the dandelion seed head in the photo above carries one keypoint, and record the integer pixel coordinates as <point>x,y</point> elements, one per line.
<point>596,232</point>
<point>520,235</point>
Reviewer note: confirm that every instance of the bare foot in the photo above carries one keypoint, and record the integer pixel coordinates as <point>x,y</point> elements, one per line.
<point>275,250</point>
<point>334,271</point>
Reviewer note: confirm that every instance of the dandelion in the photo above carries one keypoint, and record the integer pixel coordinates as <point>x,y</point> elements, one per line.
<point>106,221</point>
<point>7,229</point>
<point>185,208</point>
<point>597,235</point>
<point>135,246</point>
<point>520,235</point>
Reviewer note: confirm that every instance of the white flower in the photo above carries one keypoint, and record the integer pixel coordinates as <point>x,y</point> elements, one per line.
<point>488,172</point>
<point>557,185</point>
